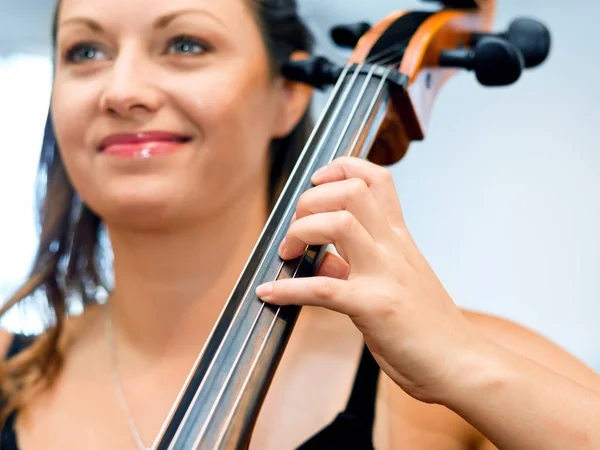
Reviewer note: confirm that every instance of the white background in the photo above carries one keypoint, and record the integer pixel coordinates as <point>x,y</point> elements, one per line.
<point>502,197</point>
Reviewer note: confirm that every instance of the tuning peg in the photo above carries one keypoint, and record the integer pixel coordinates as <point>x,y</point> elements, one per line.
<point>495,61</point>
<point>316,71</point>
<point>456,4</point>
<point>531,37</point>
<point>348,35</point>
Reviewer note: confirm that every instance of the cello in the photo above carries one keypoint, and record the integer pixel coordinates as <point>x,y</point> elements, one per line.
<point>380,102</point>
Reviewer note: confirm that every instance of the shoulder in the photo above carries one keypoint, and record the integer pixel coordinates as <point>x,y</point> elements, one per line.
<point>73,332</point>
<point>534,346</point>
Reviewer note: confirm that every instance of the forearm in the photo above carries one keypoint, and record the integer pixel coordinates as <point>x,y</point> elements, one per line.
<point>520,405</point>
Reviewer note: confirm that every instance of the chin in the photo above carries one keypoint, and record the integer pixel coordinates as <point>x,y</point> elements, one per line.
<point>146,205</point>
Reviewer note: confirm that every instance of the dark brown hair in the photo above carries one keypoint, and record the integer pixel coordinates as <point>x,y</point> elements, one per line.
<point>67,265</point>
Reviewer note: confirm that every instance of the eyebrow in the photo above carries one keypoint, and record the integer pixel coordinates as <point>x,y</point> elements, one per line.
<point>165,20</point>
<point>161,22</point>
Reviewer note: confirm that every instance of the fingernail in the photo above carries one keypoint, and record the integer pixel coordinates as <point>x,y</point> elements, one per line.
<point>264,290</point>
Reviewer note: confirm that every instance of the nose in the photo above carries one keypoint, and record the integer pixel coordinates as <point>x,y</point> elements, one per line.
<point>129,91</point>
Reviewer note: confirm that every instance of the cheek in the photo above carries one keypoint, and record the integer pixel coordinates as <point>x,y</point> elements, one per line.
<point>73,107</point>
<point>235,117</point>
<point>231,114</point>
<point>73,110</point>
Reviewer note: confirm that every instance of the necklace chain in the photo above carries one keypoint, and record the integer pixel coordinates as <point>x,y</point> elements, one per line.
<point>117,380</point>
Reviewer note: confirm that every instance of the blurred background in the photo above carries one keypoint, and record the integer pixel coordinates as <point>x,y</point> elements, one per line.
<point>502,197</point>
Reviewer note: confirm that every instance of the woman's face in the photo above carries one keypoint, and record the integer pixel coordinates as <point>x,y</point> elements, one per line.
<point>164,110</point>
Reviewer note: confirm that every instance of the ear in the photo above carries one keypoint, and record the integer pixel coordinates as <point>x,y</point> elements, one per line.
<point>293,99</point>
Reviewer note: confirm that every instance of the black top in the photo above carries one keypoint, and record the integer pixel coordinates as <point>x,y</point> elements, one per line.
<point>352,429</point>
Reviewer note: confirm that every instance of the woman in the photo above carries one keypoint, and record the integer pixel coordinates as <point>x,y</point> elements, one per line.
<point>173,129</point>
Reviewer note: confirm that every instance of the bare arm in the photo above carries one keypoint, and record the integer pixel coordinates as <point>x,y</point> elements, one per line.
<point>413,328</point>
<point>526,393</point>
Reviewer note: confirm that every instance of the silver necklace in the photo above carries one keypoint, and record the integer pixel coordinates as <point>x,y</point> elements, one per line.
<point>117,380</point>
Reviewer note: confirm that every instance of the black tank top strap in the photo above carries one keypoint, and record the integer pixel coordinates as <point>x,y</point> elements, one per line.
<point>362,401</point>
<point>8,438</point>
<point>352,429</point>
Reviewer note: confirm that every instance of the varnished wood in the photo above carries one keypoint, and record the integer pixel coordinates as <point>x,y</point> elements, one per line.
<point>221,400</point>
<point>409,115</point>
<point>373,112</point>
<point>370,38</point>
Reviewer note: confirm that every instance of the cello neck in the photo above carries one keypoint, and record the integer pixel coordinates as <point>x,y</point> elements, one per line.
<point>220,401</point>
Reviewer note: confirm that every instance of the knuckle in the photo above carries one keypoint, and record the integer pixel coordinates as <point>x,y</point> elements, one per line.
<point>384,174</point>
<point>344,159</point>
<point>403,235</point>
<point>346,221</point>
<point>357,187</point>
<point>386,305</point>
<point>343,163</point>
<point>386,311</point>
<point>292,231</point>
<point>325,289</point>
<point>303,205</point>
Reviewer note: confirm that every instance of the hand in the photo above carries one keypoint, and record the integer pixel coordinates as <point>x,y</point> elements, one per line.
<point>382,281</point>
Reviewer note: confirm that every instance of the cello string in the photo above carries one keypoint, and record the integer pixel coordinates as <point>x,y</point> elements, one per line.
<point>251,370</point>
<point>392,54</point>
<point>247,380</point>
<point>311,163</point>
<point>320,148</point>
<point>387,53</point>
<point>387,61</point>
<point>369,112</point>
<point>228,378</point>
<point>384,53</point>
<point>318,126</point>
<point>274,320</point>
<point>353,113</point>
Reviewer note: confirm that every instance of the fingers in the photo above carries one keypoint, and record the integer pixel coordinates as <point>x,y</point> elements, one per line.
<point>339,228</point>
<point>378,179</point>
<point>353,206</point>
<point>352,195</point>
<point>334,267</point>
<point>326,292</point>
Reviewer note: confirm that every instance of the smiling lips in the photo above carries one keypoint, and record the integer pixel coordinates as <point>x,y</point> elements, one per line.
<point>143,144</point>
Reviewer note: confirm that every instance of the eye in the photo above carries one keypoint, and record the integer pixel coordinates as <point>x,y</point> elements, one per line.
<point>186,45</point>
<point>84,52</point>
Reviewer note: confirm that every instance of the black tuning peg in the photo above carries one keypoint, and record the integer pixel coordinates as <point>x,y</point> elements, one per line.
<point>349,35</point>
<point>495,61</point>
<point>456,4</point>
<point>531,37</point>
<point>316,71</point>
